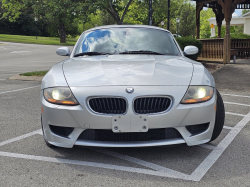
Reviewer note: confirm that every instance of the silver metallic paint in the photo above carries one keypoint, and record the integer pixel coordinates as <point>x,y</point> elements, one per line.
<point>63,51</point>
<point>129,70</point>
<point>147,74</point>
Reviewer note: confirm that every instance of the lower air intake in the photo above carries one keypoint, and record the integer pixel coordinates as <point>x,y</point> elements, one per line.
<point>109,135</point>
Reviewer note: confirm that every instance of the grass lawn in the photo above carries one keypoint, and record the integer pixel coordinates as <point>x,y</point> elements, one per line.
<point>35,73</point>
<point>39,40</point>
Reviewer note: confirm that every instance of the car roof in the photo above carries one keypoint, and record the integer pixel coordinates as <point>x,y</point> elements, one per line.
<point>126,26</point>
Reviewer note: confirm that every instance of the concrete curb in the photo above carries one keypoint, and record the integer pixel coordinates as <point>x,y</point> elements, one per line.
<point>26,78</point>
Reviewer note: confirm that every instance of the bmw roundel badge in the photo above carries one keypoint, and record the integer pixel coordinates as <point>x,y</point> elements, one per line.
<point>130,90</point>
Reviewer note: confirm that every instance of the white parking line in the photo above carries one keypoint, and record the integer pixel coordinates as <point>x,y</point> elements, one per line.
<point>84,163</point>
<point>156,170</point>
<point>202,169</point>
<point>236,95</point>
<point>40,132</point>
<point>227,127</point>
<point>21,52</point>
<point>207,146</point>
<point>141,162</point>
<point>18,90</point>
<point>235,114</point>
<point>19,138</point>
<point>236,104</point>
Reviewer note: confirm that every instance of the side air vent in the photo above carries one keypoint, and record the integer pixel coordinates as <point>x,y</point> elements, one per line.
<point>197,129</point>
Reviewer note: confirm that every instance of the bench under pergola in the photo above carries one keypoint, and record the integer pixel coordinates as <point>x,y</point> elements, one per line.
<point>223,9</point>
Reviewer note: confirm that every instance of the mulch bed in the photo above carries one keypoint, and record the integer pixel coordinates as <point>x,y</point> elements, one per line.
<point>212,67</point>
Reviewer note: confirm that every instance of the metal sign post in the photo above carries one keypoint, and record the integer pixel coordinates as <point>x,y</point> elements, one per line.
<point>150,12</point>
<point>168,24</point>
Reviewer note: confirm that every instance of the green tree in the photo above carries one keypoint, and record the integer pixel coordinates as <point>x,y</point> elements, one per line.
<point>61,16</point>
<point>245,11</point>
<point>116,8</point>
<point>188,20</point>
<point>205,29</point>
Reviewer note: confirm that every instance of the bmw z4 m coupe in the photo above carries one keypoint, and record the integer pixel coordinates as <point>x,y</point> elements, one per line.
<point>129,86</point>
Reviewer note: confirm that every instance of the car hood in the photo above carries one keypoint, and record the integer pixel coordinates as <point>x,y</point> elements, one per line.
<point>124,70</point>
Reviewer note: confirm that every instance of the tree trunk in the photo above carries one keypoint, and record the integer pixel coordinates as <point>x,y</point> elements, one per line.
<point>119,22</point>
<point>62,33</point>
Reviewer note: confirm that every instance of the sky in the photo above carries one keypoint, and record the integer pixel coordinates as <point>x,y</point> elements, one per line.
<point>238,12</point>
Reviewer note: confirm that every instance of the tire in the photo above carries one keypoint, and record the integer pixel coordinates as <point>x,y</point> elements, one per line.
<point>47,143</point>
<point>220,117</point>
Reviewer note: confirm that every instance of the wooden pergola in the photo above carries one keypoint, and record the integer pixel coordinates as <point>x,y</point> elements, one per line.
<point>223,9</point>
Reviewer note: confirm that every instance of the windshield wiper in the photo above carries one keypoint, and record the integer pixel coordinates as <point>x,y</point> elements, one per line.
<point>141,52</point>
<point>91,54</point>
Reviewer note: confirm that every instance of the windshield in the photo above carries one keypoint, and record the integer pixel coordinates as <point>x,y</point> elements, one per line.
<point>125,40</point>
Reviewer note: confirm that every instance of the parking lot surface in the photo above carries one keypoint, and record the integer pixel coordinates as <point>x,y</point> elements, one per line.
<point>25,159</point>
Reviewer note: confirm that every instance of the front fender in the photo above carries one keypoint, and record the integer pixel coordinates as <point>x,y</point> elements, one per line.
<point>54,77</point>
<point>201,76</point>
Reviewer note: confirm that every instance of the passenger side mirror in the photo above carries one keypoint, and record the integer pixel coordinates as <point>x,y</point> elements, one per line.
<point>63,51</point>
<point>190,50</point>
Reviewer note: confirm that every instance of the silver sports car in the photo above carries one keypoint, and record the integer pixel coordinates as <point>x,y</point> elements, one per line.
<point>129,86</point>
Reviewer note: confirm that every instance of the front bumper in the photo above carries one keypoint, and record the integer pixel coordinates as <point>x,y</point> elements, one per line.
<point>81,117</point>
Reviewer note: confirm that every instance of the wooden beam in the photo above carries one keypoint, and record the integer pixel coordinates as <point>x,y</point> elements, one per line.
<point>221,3</point>
<point>234,4</point>
<point>198,2</point>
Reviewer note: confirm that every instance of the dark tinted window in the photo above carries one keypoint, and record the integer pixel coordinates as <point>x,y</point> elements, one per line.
<point>118,40</point>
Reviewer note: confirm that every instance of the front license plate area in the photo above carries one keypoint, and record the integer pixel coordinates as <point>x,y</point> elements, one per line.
<point>139,123</point>
<point>130,123</point>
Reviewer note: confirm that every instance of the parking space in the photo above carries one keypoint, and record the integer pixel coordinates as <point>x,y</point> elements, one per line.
<point>27,161</point>
<point>22,139</point>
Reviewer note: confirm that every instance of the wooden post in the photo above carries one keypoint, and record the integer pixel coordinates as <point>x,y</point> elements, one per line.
<point>227,38</point>
<point>228,8</point>
<point>226,5</point>
<point>219,18</point>
<point>198,10</point>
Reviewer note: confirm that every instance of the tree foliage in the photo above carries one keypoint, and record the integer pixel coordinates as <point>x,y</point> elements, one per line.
<point>61,15</point>
<point>244,11</point>
<point>116,8</point>
<point>205,29</point>
<point>188,20</point>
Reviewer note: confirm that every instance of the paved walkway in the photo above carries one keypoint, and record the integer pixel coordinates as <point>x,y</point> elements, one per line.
<point>234,77</point>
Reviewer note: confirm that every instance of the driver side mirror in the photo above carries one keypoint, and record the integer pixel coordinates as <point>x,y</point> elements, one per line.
<point>63,51</point>
<point>190,50</point>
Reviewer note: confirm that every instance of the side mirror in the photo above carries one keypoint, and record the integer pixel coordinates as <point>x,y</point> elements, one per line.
<point>63,51</point>
<point>190,50</point>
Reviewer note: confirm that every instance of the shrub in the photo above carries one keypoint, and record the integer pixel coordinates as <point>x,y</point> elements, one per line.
<point>236,36</point>
<point>185,41</point>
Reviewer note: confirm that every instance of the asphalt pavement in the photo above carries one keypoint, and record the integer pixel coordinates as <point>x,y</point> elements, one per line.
<point>25,160</point>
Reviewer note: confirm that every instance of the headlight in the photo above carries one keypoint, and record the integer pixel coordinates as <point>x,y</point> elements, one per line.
<point>60,96</point>
<point>197,94</point>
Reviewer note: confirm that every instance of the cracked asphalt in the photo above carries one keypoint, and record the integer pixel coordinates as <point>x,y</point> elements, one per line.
<point>23,162</point>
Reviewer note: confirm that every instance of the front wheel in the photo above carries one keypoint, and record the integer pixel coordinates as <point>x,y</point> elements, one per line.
<point>220,117</point>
